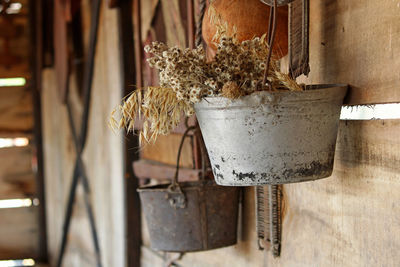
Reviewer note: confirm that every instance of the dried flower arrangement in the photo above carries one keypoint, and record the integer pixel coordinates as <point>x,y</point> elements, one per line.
<point>186,77</point>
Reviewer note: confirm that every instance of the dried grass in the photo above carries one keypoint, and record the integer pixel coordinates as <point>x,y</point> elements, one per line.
<point>185,78</point>
<point>159,109</point>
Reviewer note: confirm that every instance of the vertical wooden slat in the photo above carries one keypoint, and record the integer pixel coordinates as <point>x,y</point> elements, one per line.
<point>36,18</point>
<point>190,23</point>
<point>131,74</point>
<point>16,182</point>
<point>137,43</point>
<point>19,231</point>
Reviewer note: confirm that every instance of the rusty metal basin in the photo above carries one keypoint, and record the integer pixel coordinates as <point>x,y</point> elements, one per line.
<point>207,220</point>
<point>272,137</point>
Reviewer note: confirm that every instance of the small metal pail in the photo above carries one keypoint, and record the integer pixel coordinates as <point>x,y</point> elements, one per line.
<point>190,216</point>
<point>206,220</point>
<point>272,137</point>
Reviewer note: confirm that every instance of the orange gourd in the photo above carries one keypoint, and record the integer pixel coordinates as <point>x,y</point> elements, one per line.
<point>250,17</point>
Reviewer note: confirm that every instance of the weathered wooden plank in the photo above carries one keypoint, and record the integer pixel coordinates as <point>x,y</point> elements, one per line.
<point>17,179</point>
<point>148,11</point>
<point>352,218</point>
<point>16,160</point>
<point>17,186</point>
<point>15,109</point>
<point>356,42</point>
<point>17,70</point>
<point>165,150</point>
<point>174,21</point>
<point>150,258</point>
<point>103,157</point>
<point>18,233</point>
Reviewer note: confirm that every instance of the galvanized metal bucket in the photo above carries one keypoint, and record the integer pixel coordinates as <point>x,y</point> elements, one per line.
<point>272,137</point>
<point>190,216</point>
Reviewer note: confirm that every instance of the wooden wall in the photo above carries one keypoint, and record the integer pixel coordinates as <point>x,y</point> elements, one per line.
<point>20,232</point>
<point>351,218</point>
<point>19,227</point>
<point>16,110</point>
<point>102,157</point>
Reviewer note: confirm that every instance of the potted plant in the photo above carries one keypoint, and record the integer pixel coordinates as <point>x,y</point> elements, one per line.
<point>259,126</point>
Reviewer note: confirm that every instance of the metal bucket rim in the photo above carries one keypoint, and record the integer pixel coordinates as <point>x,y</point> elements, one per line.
<point>314,92</point>
<point>184,185</point>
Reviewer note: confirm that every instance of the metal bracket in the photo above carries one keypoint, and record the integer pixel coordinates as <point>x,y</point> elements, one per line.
<point>176,197</point>
<point>269,218</point>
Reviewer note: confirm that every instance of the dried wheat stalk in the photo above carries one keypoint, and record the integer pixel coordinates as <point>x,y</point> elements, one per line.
<point>186,77</point>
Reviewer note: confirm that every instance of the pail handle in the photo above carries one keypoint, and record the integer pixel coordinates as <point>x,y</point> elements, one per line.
<point>176,197</point>
<point>175,180</point>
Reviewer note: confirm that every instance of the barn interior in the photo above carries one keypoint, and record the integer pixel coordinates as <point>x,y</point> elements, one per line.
<point>69,183</point>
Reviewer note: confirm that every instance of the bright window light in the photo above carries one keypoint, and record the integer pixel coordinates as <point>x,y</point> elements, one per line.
<point>35,202</point>
<point>14,8</point>
<point>10,142</point>
<point>15,263</point>
<point>19,81</point>
<point>15,203</point>
<point>371,112</point>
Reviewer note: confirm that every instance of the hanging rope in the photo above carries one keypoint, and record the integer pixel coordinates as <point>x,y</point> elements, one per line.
<point>199,23</point>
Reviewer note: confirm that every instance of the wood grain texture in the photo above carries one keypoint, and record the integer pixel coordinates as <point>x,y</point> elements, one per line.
<point>18,233</point>
<point>148,9</point>
<point>356,42</point>
<point>16,70</point>
<point>174,22</point>
<point>351,218</point>
<point>165,150</point>
<point>17,179</point>
<point>102,157</point>
<point>15,109</point>
<point>145,169</point>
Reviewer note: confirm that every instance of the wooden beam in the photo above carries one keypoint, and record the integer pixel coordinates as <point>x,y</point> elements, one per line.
<point>146,169</point>
<point>356,42</point>
<point>18,233</point>
<point>16,109</point>
<point>165,149</point>
<point>131,71</point>
<point>16,182</point>
<point>36,65</point>
<point>112,3</point>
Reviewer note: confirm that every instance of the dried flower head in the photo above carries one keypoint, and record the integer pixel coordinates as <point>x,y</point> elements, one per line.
<point>186,77</point>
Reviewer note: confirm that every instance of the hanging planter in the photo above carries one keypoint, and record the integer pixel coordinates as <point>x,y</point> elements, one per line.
<point>259,125</point>
<point>190,216</point>
<point>272,137</point>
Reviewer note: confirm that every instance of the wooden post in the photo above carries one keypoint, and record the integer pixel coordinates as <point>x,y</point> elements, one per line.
<point>36,56</point>
<point>131,75</point>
